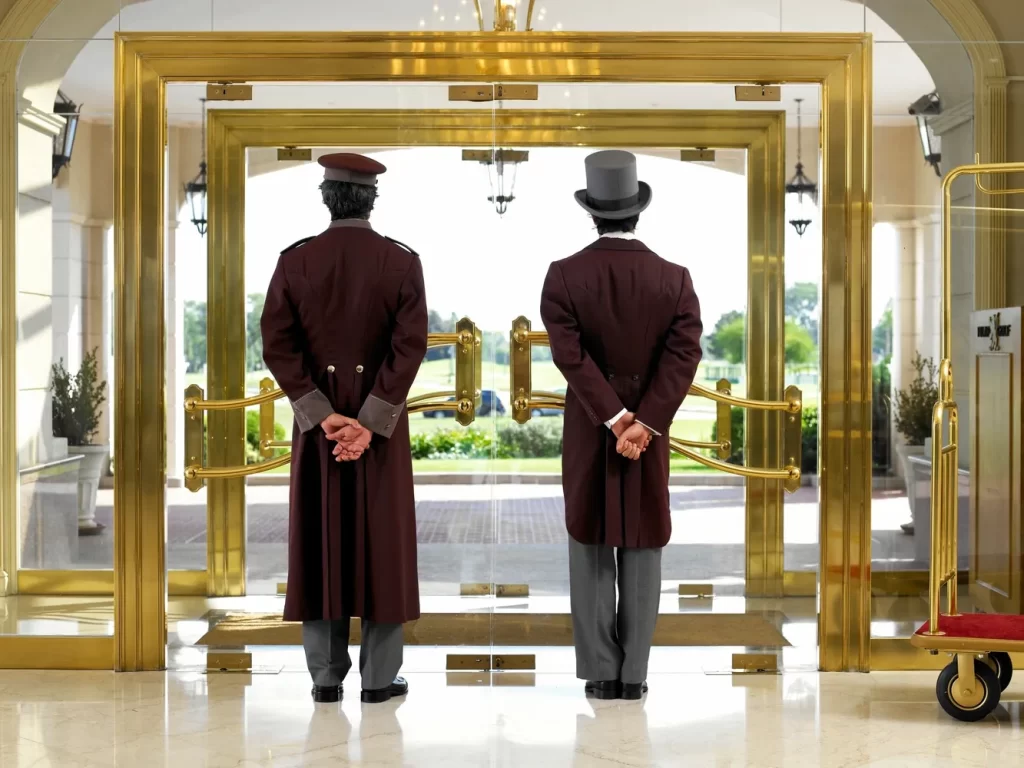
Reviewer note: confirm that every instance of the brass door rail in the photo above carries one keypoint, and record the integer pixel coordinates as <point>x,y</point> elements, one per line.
<point>463,401</point>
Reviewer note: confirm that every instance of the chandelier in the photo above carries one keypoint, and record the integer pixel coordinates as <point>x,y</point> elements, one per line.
<point>195,190</point>
<point>802,192</point>
<point>505,15</point>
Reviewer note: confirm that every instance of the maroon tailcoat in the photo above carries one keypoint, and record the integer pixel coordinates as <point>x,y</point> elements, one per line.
<point>344,331</point>
<point>625,332</point>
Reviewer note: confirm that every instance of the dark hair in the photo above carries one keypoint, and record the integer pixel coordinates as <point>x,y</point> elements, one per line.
<point>604,226</point>
<point>346,200</point>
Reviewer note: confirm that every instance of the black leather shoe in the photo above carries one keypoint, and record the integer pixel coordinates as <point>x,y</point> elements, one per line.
<point>602,689</point>
<point>398,688</point>
<point>633,691</point>
<point>327,693</point>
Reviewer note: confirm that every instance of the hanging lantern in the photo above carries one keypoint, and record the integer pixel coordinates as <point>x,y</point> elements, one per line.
<point>924,108</point>
<point>195,190</point>
<point>498,161</point>
<point>801,191</point>
<point>64,142</point>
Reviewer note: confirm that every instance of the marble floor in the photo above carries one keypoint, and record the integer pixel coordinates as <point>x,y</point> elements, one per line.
<point>193,720</point>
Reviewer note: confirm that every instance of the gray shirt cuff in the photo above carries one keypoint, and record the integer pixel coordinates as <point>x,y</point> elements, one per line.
<point>311,409</point>
<point>379,417</point>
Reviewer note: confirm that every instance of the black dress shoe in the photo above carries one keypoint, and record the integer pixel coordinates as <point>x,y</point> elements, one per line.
<point>602,689</point>
<point>633,691</point>
<point>398,688</point>
<point>327,693</point>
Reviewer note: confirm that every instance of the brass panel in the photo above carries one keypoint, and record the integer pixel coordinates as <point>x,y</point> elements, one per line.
<point>486,92</point>
<point>466,661</point>
<point>521,369</point>
<point>194,445</point>
<point>793,436</point>
<point>512,590</point>
<point>758,93</point>
<point>468,371</point>
<point>475,589</point>
<point>841,63</point>
<point>282,587</point>
<point>267,420</point>
<point>293,154</point>
<point>723,412</point>
<point>755,662</point>
<point>101,582</point>
<point>41,652</point>
<point>697,155</point>
<point>225,374</point>
<point>498,590</point>
<point>518,661</point>
<point>489,156</point>
<point>228,661</point>
<point>140,417</point>
<point>228,92</point>
<point>800,583</point>
<point>696,590</point>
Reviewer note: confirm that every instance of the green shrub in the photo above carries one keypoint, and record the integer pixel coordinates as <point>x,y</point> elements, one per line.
<point>881,416</point>
<point>77,401</point>
<point>540,439</point>
<point>809,435</point>
<point>252,436</point>
<point>914,404</point>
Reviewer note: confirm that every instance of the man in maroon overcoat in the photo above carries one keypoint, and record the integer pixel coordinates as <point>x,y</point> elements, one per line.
<point>625,332</point>
<point>344,333</point>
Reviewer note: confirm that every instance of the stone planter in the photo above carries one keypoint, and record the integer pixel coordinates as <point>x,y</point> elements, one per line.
<point>94,464</point>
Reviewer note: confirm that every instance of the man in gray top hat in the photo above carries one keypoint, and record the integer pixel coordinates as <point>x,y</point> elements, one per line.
<point>625,332</point>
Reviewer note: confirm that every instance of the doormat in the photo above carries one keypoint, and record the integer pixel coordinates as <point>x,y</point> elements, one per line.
<point>512,629</point>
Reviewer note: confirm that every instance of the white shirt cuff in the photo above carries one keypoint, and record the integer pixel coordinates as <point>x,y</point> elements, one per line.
<point>615,419</point>
<point>652,431</point>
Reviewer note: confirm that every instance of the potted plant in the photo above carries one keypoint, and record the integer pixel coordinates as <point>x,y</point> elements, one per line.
<point>77,402</point>
<point>913,418</point>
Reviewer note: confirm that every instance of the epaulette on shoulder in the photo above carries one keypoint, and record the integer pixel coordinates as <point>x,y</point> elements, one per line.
<point>296,244</point>
<point>400,244</point>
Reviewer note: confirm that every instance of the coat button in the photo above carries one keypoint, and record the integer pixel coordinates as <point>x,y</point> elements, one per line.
<point>611,375</point>
<point>359,369</point>
<point>636,378</point>
<point>330,369</point>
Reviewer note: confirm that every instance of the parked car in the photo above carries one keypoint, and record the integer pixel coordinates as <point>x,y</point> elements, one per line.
<point>489,401</point>
<point>536,412</point>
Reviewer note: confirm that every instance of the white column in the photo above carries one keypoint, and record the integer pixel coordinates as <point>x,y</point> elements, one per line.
<point>174,355</point>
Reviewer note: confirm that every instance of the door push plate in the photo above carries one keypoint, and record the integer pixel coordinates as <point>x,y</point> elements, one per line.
<point>758,93</point>
<point>697,155</point>
<point>285,154</point>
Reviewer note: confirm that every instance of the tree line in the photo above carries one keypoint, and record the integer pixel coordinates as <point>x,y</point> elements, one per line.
<point>495,343</point>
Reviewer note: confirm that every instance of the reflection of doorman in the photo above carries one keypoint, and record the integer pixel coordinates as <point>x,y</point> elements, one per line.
<point>344,333</point>
<point>625,332</point>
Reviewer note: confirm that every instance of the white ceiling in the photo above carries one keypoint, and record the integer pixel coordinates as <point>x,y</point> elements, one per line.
<point>89,81</point>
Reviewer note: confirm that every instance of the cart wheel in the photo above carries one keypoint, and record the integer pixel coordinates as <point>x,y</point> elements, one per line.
<point>1000,662</point>
<point>973,706</point>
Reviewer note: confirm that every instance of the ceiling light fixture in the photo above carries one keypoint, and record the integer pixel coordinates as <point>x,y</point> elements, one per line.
<point>801,190</point>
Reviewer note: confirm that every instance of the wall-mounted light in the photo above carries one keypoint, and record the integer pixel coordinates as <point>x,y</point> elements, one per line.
<point>195,190</point>
<point>64,142</point>
<point>923,109</point>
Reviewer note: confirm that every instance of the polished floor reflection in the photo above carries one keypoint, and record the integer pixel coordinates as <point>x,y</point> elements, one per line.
<point>101,719</point>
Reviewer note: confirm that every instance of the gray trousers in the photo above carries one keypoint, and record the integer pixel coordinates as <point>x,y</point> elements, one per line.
<point>613,642</point>
<point>328,659</point>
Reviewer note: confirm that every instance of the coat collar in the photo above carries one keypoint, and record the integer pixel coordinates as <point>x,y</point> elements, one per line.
<point>616,244</point>
<point>357,223</point>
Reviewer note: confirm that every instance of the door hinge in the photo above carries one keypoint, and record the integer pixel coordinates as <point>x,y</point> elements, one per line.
<point>228,92</point>
<point>758,93</point>
<point>488,92</point>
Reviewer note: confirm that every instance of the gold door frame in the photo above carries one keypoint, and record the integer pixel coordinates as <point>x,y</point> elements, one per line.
<point>840,64</point>
<point>231,132</point>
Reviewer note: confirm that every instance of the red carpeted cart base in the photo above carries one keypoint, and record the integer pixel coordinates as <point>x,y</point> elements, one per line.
<point>982,632</point>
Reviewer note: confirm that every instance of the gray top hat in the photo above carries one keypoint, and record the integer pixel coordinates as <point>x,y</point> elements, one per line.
<point>613,191</point>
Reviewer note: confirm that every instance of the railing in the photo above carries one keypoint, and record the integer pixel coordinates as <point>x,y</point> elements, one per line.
<point>525,400</point>
<point>945,455</point>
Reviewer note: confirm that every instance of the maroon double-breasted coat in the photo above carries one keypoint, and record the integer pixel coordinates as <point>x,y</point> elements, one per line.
<point>625,332</point>
<point>345,331</point>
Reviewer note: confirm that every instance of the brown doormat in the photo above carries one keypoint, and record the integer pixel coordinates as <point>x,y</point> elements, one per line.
<point>513,629</point>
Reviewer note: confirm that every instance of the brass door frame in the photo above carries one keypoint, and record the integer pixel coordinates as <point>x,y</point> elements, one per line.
<point>232,132</point>
<point>840,64</point>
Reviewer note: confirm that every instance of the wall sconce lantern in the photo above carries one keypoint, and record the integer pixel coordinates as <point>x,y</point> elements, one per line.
<point>924,108</point>
<point>64,142</point>
<point>195,190</point>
